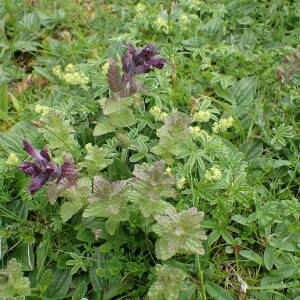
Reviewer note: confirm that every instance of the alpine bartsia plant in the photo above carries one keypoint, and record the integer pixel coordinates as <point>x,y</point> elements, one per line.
<point>169,283</point>
<point>42,170</point>
<point>13,285</point>
<point>109,201</point>
<point>150,187</point>
<point>179,233</point>
<point>134,62</point>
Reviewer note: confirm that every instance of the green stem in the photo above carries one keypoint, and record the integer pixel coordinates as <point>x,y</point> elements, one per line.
<point>200,276</point>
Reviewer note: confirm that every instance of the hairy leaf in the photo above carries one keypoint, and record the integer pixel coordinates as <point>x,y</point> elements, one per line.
<point>77,197</point>
<point>179,233</point>
<point>175,137</point>
<point>109,200</point>
<point>169,283</point>
<point>12,282</point>
<point>150,186</point>
<point>96,160</point>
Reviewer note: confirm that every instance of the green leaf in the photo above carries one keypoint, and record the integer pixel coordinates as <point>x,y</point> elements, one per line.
<point>58,132</point>
<point>217,292</point>
<point>69,208</point>
<point>80,291</point>
<point>24,255</point>
<point>227,237</point>
<point>269,257</point>
<point>77,197</point>
<point>248,40</point>
<point>12,282</point>
<point>96,160</point>
<point>169,283</point>
<point>85,235</point>
<point>137,156</point>
<point>4,98</point>
<point>109,200</point>
<point>117,170</point>
<point>244,90</point>
<point>213,236</point>
<point>60,284</point>
<point>251,255</point>
<point>12,140</point>
<point>179,233</point>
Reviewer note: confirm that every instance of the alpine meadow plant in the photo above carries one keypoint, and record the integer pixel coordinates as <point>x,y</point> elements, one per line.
<point>138,170</point>
<point>147,194</point>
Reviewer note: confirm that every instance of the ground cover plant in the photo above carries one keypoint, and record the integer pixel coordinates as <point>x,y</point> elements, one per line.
<point>149,149</point>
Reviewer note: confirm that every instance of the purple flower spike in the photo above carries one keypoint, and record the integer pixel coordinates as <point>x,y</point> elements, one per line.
<point>42,170</point>
<point>141,61</point>
<point>134,62</point>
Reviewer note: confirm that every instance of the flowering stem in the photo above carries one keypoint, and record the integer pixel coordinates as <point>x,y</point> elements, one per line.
<point>200,276</point>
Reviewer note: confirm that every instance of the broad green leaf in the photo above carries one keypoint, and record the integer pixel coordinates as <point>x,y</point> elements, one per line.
<point>251,255</point>
<point>12,140</point>
<point>244,90</point>
<point>269,257</point>
<point>24,255</point>
<point>12,282</point>
<point>227,237</point>
<point>217,292</point>
<point>118,170</point>
<point>4,98</point>
<point>77,197</point>
<point>60,284</point>
<point>69,208</point>
<point>248,40</point>
<point>213,236</point>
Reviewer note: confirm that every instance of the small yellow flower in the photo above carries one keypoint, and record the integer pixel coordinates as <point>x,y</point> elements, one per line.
<point>38,108</point>
<point>180,183</point>
<point>213,174</point>
<point>69,68</point>
<point>161,24</point>
<point>105,68</point>
<point>57,71</point>
<point>42,109</point>
<point>184,20</point>
<point>140,8</point>
<point>168,170</point>
<point>88,146</point>
<point>157,113</point>
<point>223,125</point>
<point>45,111</point>
<point>202,116</point>
<point>12,160</point>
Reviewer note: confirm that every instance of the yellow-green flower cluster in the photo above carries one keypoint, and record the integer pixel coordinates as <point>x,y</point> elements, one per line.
<point>195,130</point>
<point>12,160</point>
<point>140,8</point>
<point>213,174</point>
<point>157,113</point>
<point>184,20</point>
<point>168,171</point>
<point>222,125</point>
<point>105,68</point>
<point>71,75</point>
<point>202,116</point>
<point>180,183</point>
<point>88,146</point>
<point>42,109</point>
<point>161,24</point>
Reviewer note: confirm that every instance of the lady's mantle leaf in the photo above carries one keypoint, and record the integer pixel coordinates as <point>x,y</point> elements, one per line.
<point>179,233</point>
